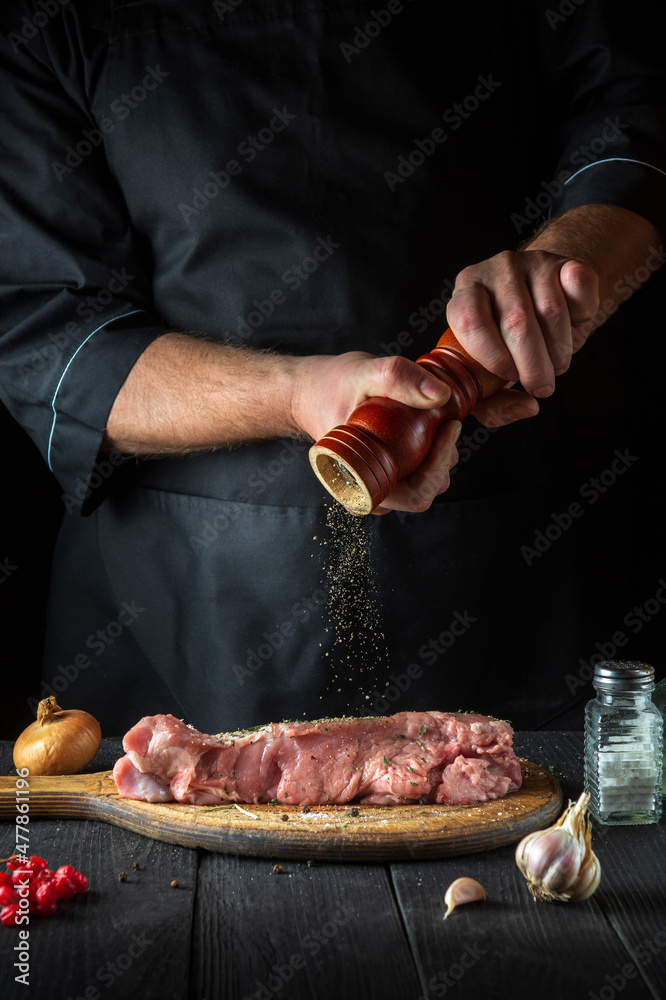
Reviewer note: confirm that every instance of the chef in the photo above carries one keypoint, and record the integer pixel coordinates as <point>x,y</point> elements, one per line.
<point>224,226</point>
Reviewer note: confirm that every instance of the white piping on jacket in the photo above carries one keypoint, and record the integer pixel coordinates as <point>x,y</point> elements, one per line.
<point>610,159</point>
<point>57,388</point>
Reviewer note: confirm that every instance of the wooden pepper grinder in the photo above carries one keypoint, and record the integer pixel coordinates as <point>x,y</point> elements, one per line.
<point>383,441</point>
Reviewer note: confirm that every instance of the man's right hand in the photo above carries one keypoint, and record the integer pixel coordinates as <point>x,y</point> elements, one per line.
<point>329,388</point>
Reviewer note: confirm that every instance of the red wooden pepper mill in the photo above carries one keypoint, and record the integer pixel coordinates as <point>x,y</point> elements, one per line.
<point>383,441</point>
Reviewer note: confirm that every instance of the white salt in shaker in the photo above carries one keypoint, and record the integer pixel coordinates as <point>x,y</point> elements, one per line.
<point>659,699</point>
<point>623,745</point>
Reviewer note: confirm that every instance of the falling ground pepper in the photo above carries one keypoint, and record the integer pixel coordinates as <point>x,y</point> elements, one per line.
<point>359,653</point>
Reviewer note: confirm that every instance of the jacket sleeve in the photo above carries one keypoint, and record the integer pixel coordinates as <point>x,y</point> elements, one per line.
<point>75,302</point>
<point>603,62</point>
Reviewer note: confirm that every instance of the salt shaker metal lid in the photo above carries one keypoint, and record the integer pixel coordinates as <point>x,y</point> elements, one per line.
<point>623,675</point>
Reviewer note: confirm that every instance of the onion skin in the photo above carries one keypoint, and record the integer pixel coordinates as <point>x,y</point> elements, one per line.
<point>59,741</point>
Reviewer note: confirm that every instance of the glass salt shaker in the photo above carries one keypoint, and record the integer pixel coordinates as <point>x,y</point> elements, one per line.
<point>659,699</point>
<point>624,745</point>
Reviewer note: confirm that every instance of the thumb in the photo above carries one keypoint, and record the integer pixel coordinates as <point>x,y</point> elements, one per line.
<point>406,382</point>
<point>580,284</point>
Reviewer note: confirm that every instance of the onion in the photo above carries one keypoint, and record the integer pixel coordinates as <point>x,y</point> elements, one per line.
<point>59,742</point>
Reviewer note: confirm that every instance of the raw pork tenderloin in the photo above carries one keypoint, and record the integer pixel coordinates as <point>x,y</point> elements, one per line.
<point>443,757</point>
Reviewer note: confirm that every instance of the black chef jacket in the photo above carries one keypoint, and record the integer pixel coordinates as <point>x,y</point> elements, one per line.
<point>308,177</point>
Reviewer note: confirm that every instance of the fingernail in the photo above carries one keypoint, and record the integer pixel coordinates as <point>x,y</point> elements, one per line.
<point>544,390</point>
<point>433,389</point>
<point>457,432</point>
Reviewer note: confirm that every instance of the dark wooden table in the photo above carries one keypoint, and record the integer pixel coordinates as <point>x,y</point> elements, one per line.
<point>234,929</point>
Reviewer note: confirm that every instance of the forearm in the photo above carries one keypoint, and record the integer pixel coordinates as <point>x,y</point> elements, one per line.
<point>623,248</point>
<point>187,394</point>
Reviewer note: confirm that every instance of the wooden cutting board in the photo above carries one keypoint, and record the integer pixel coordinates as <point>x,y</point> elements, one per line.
<point>334,833</point>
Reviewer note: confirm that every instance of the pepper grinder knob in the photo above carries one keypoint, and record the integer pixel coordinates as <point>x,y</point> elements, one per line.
<point>383,441</point>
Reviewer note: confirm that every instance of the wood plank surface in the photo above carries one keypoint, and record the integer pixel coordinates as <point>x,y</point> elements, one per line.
<point>343,832</point>
<point>119,940</point>
<point>544,948</point>
<point>323,931</point>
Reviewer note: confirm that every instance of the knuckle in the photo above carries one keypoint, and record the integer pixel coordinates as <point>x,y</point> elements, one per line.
<point>393,370</point>
<point>515,323</point>
<point>446,482</point>
<point>508,260</point>
<point>420,504</point>
<point>466,318</point>
<point>464,278</point>
<point>551,311</point>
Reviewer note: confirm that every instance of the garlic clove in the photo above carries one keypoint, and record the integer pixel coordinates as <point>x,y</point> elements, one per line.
<point>559,863</point>
<point>523,849</point>
<point>588,881</point>
<point>463,890</point>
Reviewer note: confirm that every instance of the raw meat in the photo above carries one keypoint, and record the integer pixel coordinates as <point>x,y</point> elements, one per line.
<point>443,756</point>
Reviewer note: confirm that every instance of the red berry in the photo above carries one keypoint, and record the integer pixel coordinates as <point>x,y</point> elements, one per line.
<point>18,861</point>
<point>46,894</point>
<point>35,884</point>
<point>9,914</point>
<point>44,886</point>
<point>7,895</point>
<point>80,881</point>
<point>67,870</point>
<point>64,885</point>
<point>21,875</point>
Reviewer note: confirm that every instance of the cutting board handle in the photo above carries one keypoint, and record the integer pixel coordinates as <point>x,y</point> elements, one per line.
<point>73,795</point>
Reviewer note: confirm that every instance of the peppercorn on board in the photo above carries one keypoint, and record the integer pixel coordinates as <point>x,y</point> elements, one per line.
<point>343,832</point>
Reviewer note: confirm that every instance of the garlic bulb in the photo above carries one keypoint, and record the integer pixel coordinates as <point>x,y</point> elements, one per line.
<point>559,863</point>
<point>463,890</point>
